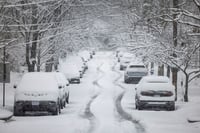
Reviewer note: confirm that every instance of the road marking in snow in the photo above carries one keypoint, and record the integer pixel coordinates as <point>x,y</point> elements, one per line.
<point>87,112</point>
<point>139,127</point>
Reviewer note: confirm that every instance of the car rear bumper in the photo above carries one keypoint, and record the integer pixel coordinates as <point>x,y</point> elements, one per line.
<point>36,105</point>
<point>134,80</point>
<point>161,104</point>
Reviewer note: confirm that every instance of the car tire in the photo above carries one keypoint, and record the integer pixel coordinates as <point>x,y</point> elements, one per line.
<point>136,107</point>
<point>18,112</point>
<point>61,104</point>
<point>56,112</point>
<point>67,99</point>
<point>172,107</point>
<point>64,104</point>
<point>126,81</point>
<point>140,107</point>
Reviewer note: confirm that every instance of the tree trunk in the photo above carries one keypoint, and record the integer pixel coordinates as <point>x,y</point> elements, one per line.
<point>49,65</point>
<point>175,33</point>
<point>27,51</point>
<point>174,80</point>
<point>186,88</point>
<point>168,71</point>
<point>39,58</point>
<point>161,70</point>
<point>34,38</point>
<point>152,68</point>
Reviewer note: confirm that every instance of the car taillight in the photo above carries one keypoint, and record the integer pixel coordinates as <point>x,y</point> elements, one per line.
<point>166,93</point>
<point>147,93</point>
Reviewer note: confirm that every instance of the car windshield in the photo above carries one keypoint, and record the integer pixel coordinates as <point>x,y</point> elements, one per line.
<point>137,73</point>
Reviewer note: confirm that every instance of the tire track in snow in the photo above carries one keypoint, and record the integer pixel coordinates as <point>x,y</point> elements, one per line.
<point>87,112</point>
<point>139,127</point>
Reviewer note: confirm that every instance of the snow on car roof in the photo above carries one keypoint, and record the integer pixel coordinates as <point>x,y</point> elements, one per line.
<point>38,81</point>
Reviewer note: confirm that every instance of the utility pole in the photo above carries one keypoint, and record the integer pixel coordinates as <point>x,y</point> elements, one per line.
<point>4,73</point>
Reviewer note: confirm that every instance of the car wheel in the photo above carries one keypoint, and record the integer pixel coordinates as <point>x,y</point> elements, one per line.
<point>140,107</point>
<point>56,112</point>
<point>18,112</point>
<point>172,108</point>
<point>67,99</point>
<point>64,105</point>
<point>125,80</point>
<point>136,107</point>
<point>61,104</point>
<point>59,108</point>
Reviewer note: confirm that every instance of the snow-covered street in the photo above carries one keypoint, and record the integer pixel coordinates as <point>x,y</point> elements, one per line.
<point>103,103</point>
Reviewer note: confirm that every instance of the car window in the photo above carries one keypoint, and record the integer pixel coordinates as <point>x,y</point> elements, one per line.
<point>157,81</point>
<point>134,66</point>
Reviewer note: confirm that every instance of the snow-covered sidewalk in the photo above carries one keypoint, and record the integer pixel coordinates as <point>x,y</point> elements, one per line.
<point>5,114</point>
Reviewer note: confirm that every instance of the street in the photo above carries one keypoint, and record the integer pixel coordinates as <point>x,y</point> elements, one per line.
<point>103,103</point>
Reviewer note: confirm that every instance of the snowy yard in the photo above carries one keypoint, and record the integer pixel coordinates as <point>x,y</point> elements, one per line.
<point>103,103</point>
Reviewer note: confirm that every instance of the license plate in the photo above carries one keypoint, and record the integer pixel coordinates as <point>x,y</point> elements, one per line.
<point>35,103</point>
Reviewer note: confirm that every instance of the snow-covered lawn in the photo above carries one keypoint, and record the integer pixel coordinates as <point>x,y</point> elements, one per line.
<point>95,107</point>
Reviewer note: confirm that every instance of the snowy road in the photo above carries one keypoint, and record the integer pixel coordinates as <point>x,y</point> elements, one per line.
<point>102,103</point>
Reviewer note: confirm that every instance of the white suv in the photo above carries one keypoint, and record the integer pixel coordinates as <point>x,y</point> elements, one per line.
<point>125,60</point>
<point>134,72</point>
<point>155,91</point>
<point>37,91</point>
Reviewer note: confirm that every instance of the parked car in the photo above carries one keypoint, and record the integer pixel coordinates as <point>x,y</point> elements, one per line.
<point>64,91</point>
<point>119,55</point>
<point>134,72</point>
<point>125,60</point>
<point>155,91</point>
<point>119,52</point>
<point>37,91</point>
<point>77,60</point>
<point>71,71</point>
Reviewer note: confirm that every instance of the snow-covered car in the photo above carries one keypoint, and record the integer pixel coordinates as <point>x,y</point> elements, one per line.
<point>134,72</point>
<point>71,71</point>
<point>37,91</point>
<point>119,55</point>
<point>64,91</point>
<point>155,91</point>
<point>78,61</point>
<point>125,60</point>
<point>119,52</point>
